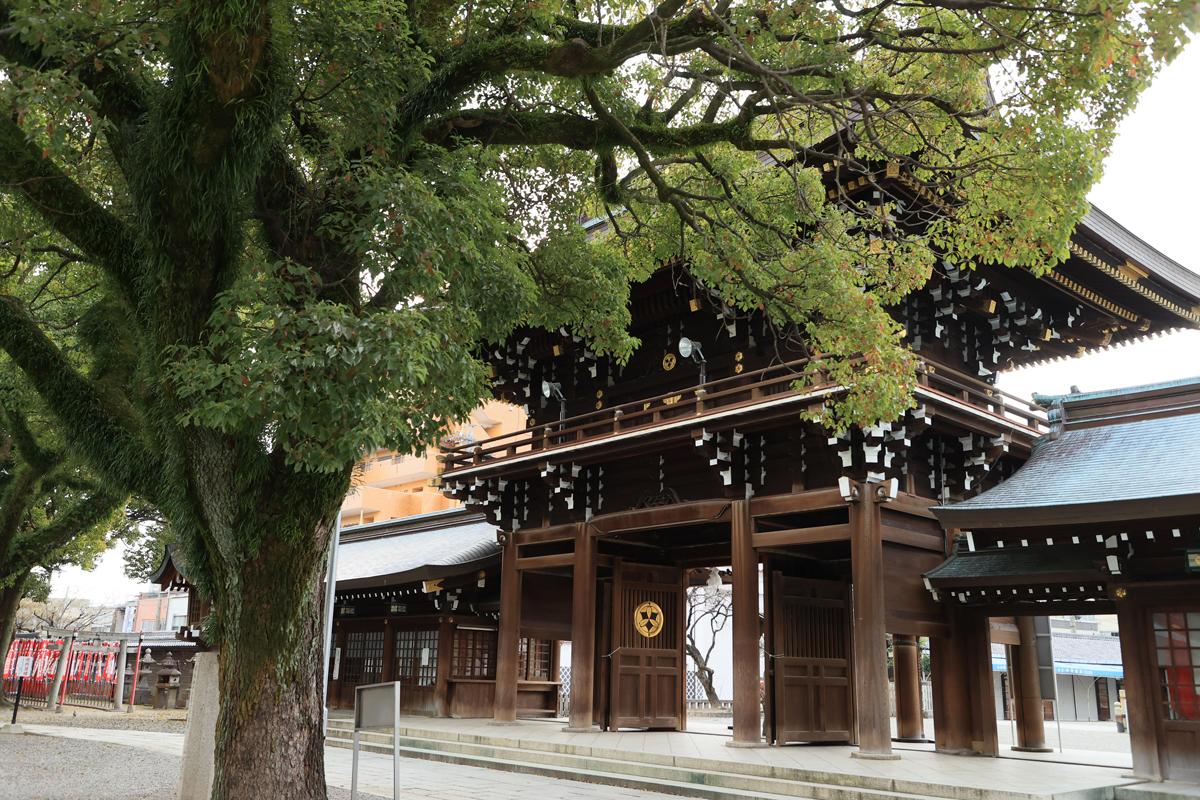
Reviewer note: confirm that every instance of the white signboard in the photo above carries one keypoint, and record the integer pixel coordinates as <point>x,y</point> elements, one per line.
<point>376,705</point>
<point>24,666</point>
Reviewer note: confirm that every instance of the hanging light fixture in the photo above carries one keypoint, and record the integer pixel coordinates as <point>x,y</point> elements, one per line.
<point>714,582</point>
<point>691,349</point>
<point>553,389</point>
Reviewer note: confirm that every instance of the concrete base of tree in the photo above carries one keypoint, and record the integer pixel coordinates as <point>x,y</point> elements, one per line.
<point>196,775</point>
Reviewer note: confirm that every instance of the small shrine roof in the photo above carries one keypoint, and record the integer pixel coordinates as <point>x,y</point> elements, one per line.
<point>1114,455</point>
<point>416,549</point>
<point>998,566</point>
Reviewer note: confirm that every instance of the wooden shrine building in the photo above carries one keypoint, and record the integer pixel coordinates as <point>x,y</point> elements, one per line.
<point>417,602</point>
<point>699,452</point>
<point>1103,518</point>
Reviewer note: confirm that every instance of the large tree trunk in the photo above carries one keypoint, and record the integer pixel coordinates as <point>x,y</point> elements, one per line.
<point>269,740</point>
<point>10,600</point>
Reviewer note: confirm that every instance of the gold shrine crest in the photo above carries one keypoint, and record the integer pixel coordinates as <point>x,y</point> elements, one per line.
<point>648,619</point>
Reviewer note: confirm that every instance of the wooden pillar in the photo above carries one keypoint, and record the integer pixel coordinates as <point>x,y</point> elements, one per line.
<point>508,638</point>
<point>583,631</point>
<point>387,669</point>
<point>951,705</point>
<point>906,655</point>
<point>445,662</point>
<point>964,708</point>
<point>1027,690</point>
<point>769,647</point>
<point>984,737</point>
<point>1141,687</point>
<point>870,635</point>
<point>747,721</point>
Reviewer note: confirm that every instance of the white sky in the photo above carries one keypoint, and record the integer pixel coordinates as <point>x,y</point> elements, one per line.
<point>1154,197</point>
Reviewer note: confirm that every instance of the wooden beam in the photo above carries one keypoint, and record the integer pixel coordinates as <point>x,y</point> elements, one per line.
<point>700,512</point>
<point>870,635</point>
<point>910,724</point>
<point>441,688</point>
<point>797,502</point>
<point>800,536</point>
<point>924,541</point>
<point>583,629</point>
<point>914,505</point>
<point>508,638</point>
<point>1027,690</point>
<point>747,724</point>
<point>1141,689</point>
<point>544,562</point>
<point>554,533</point>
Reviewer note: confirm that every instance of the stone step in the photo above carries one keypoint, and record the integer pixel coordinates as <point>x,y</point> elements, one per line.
<point>732,773</point>
<point>711,785</point>
<point>668,771</point>
<point>858,787</point>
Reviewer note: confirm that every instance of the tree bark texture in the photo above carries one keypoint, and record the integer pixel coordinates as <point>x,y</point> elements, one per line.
<point>10,600</point>
<point>269,740</point>
<point>704,673</point>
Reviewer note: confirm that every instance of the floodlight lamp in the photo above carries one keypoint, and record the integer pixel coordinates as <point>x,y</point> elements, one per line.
<point>714,579</point>
<point>550,389</point>
<point>685,347</point>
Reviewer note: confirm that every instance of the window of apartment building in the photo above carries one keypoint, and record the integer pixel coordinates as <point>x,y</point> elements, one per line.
<point>416,657</point>
<point>1177,645</point>
<point>474,654</point>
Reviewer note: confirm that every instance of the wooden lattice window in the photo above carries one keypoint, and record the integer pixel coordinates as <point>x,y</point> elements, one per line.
<point>416,657</point>
<point>534,660</point>
<point>474,654</point>
<point>1177,643</point>
<point>363,661</point>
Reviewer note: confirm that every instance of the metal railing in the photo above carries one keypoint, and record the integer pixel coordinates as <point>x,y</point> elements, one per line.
<point>736,391</point>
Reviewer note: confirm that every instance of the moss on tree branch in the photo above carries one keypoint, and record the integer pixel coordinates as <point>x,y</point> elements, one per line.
<point>86,419</point>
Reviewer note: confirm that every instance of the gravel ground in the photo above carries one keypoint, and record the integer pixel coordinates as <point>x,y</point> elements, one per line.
<point>142,719</point>
<point>50,768</point>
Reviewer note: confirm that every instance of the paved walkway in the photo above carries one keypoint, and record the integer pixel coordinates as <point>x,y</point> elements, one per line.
<point>425,779</point>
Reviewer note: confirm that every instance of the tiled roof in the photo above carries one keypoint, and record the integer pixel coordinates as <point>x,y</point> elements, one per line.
<point>1165,269</point>
<point>1101,467</point>
<point>1026,563</point>
<point>1047,400</point>
<point>420,555</point>
<point>1078,649</point>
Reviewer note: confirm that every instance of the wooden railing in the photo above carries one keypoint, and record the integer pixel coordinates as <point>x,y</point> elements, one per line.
<point>746,389</point>
<point>975,392</point>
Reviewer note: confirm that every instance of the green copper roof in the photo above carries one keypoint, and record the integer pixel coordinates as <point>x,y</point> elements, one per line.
<point>1047,400</point>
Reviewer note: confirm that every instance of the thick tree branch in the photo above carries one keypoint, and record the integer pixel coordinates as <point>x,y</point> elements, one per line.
<point>122,101</point>
<point>524,128</point>
<point>113,450</point>
<point>33,549</point>
<point>68,208</point>
<point>31,452</point>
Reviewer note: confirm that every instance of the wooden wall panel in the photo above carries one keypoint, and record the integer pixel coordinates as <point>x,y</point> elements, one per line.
<point>909,606</point>
<point>546,606</point>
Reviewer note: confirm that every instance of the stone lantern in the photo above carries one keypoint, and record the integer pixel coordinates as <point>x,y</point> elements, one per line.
<point>166,689</point>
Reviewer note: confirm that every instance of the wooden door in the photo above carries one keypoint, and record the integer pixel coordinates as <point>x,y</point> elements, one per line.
<point>415,667</point>
<point>1177,658</point>
<point>361,659</point>
<point>646,678</point>
<point>812,690</point>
